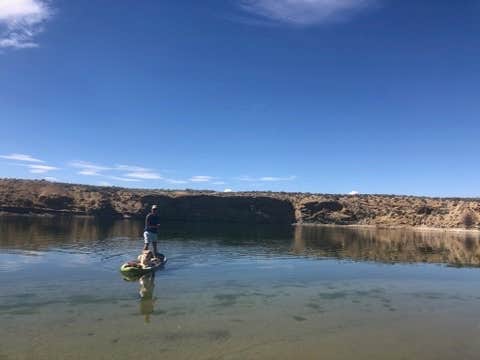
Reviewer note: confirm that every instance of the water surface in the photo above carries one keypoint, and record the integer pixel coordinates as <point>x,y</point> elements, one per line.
<point>237,292</point>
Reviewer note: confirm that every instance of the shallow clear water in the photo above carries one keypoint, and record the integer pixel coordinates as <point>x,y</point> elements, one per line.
<point>237,292</point>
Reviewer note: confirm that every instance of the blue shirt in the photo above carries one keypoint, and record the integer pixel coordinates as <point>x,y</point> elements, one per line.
<point>151,222</point>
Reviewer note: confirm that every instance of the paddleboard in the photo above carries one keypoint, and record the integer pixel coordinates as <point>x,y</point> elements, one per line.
<point>133,268</point>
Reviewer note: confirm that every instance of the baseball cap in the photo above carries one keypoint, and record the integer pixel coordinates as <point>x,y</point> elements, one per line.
<point>154,207</point>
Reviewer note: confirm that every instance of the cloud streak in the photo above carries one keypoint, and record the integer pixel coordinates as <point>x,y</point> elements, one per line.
<point>131,168</point>
<point>201,178</point>
<point>21,21</point>
<point>41,169</point>
<point>119,178</point>
<point>303,12</point>
<point>147,175</point>
<point>88,168</point>
<point>274,178</point>
<point>134,173</point>
<point>36,166</point>
<point>21,157</point>
<point>175,181</point>
<point>88,172</point>
<point>266,178</point>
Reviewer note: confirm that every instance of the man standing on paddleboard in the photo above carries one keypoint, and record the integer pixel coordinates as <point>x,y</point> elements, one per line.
<point>150,234</point>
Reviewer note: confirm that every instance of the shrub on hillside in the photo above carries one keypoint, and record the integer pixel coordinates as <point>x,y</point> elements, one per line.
<point>468,220</point>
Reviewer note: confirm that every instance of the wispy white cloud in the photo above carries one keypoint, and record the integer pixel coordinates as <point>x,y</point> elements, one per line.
<point>119,178</point>
<point>247,178</point>
<point>266,178</point>
<point>273,178</point>
<point>133,173</point>
<point>35,166</point>
<point>21,157</point>
<point>353,192</point>
<point>303,12</point>
<point>218,183</point>
<point>41,169</point>
<point>51,178</point>
<point>21,21</point>
<point>131,168</point>
<point>89,172</point>
<point>228,190</point>
<point>201,178</point>
<point>88,165</point>
<point>88,168</point>
<point>138,172</point>
<point>104,183</point>
<point>147,175</point>
<point>174,181</point>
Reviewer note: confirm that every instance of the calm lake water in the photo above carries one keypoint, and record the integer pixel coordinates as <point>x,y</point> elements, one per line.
<point>237,292</point>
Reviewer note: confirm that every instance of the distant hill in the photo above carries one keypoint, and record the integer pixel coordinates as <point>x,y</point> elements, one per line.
<point>43,197</point>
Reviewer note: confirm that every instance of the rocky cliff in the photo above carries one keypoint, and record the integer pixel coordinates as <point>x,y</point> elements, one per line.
<point>42,197</point>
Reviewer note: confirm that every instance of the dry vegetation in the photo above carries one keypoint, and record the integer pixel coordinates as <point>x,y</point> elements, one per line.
<point>389,210</point>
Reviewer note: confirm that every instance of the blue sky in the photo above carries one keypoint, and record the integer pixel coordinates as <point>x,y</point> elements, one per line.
<point>374,96</point>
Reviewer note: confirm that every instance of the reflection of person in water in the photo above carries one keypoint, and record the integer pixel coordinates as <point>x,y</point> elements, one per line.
<point>147,284</point>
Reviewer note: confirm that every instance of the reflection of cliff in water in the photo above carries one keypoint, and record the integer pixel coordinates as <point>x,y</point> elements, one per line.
<point>383,245</point>
<point>388,245</point>
<point>38,233</point>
